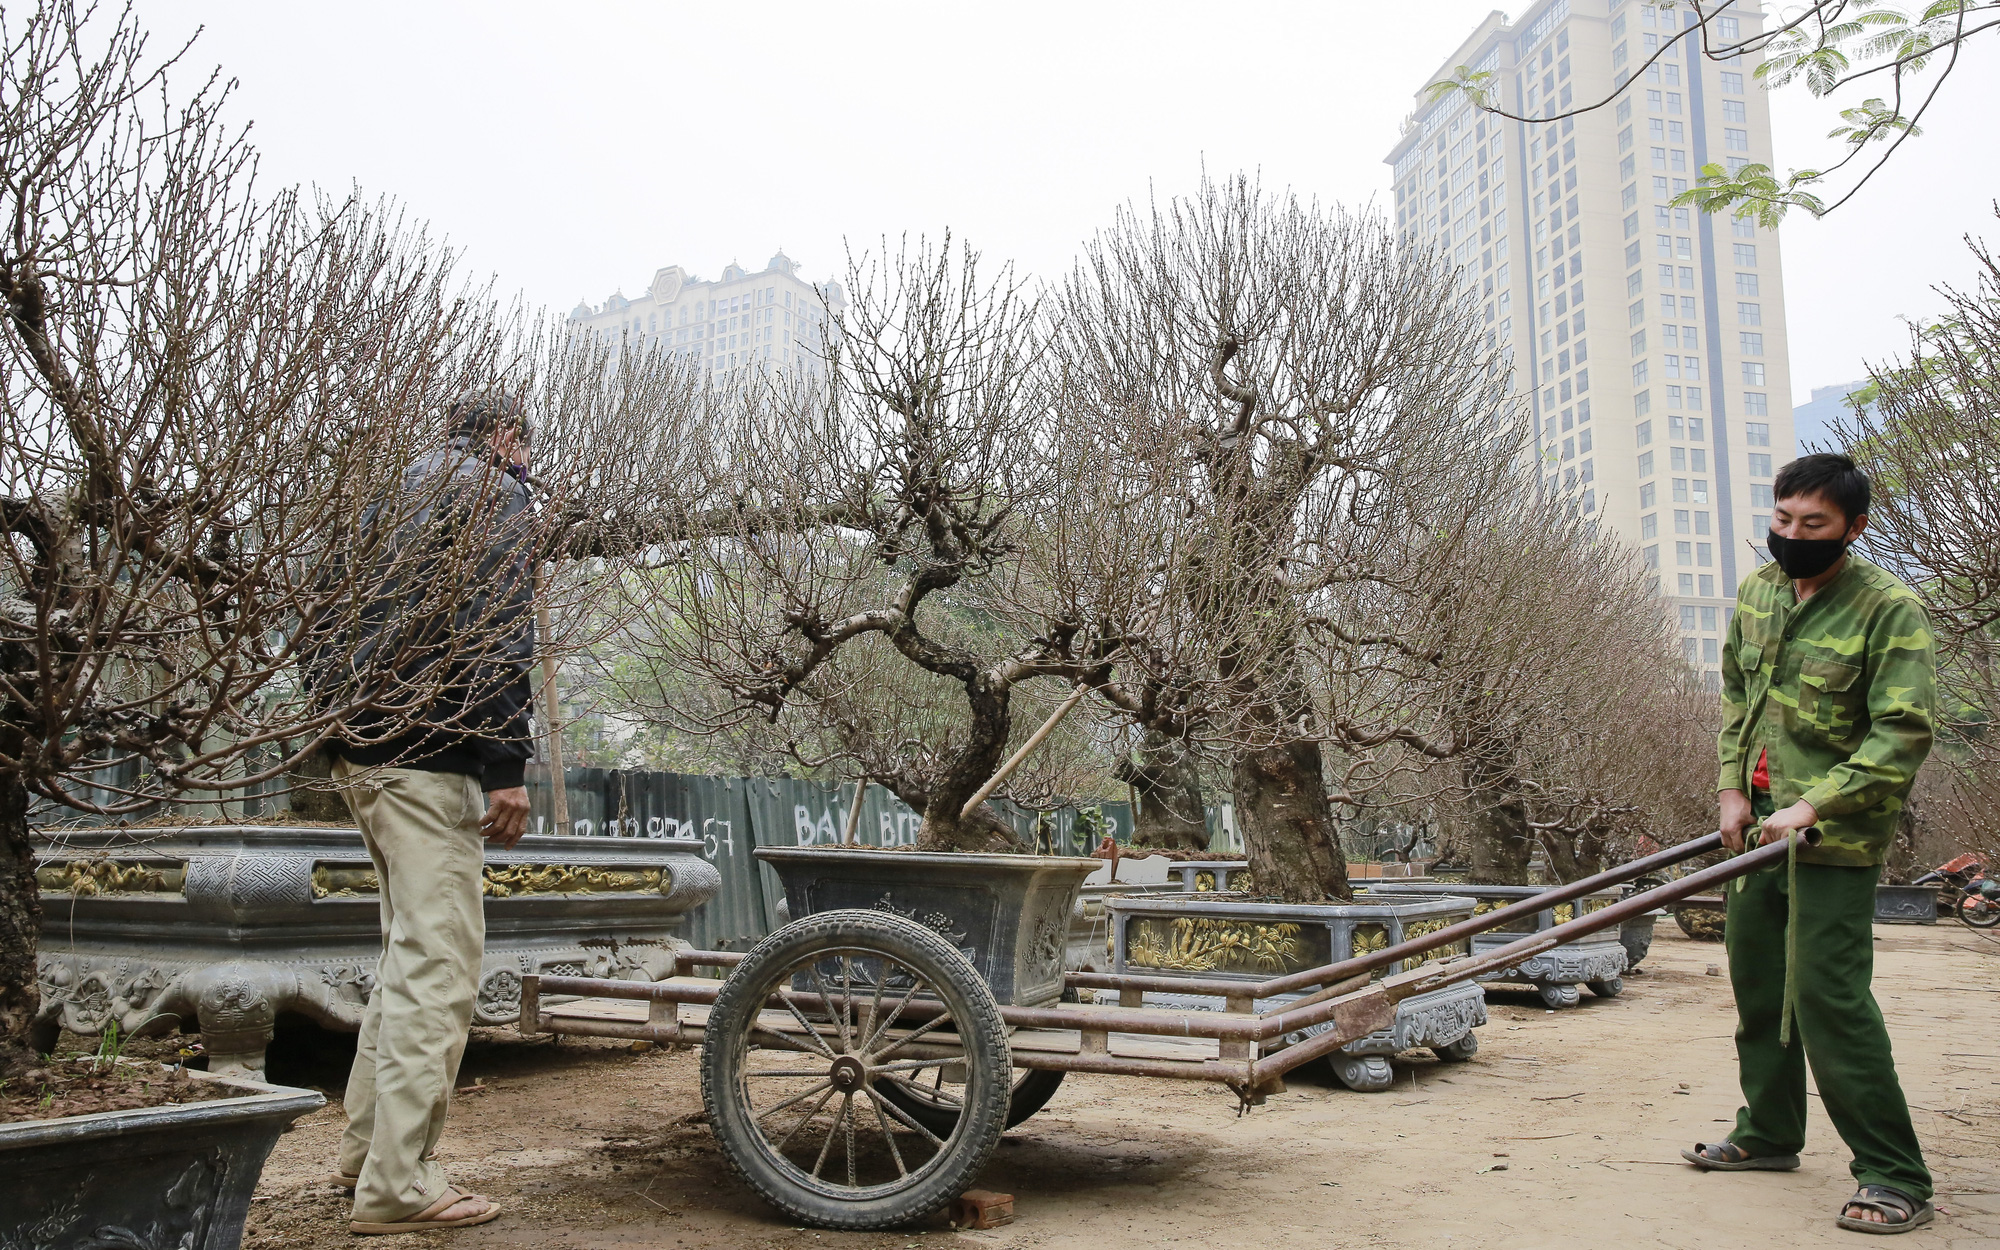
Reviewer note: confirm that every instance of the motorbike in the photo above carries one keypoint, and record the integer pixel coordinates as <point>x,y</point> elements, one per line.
<point>1966,890</point>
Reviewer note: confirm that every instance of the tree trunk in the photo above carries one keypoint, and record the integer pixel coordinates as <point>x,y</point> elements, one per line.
<point>986,744</point>
<point>1168,787</point>
<point>1287,824</point>
<point>20,927</point>
<point>1502,842</point>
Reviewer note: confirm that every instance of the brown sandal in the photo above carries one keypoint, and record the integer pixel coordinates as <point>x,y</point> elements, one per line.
<point>428,1217</point>
<point>1727,1156</point>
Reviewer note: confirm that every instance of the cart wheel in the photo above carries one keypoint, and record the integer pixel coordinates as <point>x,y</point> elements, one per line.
<point>1459,1051</point>
<point>1979,911</point>
<point>807,1034</point>
<point>933,1102</point>
<point>1557,996</point>
<point>1609,988</point>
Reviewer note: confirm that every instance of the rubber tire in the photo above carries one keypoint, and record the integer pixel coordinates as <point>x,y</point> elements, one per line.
<point>1990,914</point>
<point>945,1177</point>
<point>1459,1051</point>
<point>1033,1087</point>
<point>1611,988</point>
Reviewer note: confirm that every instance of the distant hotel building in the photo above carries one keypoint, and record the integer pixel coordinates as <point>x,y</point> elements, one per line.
<point>1670,430</point>
<point>771,318</point>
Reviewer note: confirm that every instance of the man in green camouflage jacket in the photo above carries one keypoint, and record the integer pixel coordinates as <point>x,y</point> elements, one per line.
<point>1828,695</point>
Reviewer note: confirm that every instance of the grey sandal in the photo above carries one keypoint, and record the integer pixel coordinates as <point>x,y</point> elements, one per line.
<point>1900,1211</point>
<point>1727,1156</point>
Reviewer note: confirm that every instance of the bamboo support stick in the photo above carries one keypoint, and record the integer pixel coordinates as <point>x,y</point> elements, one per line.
<point>1014,761</point>
<point>854,813</point>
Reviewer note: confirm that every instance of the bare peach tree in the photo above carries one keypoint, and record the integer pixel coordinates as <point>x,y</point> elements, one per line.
<point>1930,441</point>
<point>1296,386</point>
<point>212,405</point>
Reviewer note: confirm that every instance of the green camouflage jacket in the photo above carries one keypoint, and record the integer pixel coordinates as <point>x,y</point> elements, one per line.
<point>1841,690</point>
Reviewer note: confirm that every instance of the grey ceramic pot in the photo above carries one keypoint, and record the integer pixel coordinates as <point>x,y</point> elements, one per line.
<point>158,1178</point>
<point>1009,915</point>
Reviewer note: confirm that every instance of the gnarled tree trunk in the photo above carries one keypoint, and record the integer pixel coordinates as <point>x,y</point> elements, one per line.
<point>1287,823</point>
<point>20,927</point>
<point>1170,813</point>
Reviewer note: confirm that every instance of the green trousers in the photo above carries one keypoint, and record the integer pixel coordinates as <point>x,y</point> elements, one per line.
<point>1836,1026</point>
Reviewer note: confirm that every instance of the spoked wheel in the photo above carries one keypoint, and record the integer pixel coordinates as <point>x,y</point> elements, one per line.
<point>1981,911</point>
<point>805,1044</point>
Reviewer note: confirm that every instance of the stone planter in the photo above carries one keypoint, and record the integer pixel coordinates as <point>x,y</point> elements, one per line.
<point>1232,936</point>
<point>1089,945</point>
<point>1596,961</point>
<point>222,928</point>
<point>1201,876</point>
<point>1010,915</point>
<point>1636,936</point>
<point>1906,904</point>
<point>156,1178</point>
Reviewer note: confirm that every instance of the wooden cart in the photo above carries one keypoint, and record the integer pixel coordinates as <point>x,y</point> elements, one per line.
<point>858,1072</point>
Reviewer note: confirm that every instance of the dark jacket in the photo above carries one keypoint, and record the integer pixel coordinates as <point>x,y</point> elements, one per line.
<point>437,652</point>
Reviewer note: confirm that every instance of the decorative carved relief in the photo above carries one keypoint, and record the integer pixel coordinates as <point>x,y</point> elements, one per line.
<point>330,880</point>
<point>1209,944</point>
<point>85,877</point>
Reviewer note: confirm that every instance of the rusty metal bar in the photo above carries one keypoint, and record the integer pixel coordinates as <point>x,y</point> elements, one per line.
<point>1434,976</point>
<point>1217,987</point>
<point>1120,1065</point>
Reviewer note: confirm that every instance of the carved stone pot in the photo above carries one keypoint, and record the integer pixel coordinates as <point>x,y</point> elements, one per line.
<point>1598,961</point>
<point>1233,936</point>
<point>1009,915</point>
<point>222,928</point>
<point>155,1178</point>
<point>1906,904</point>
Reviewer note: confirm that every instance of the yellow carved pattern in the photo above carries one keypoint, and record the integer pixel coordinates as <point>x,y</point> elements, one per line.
<point>1205,944</point>
<point>1563,913</point>
<point>1481,908</point>
<point>1204,881</point>
<point>509,881</point>
<point>1595,904</point>
<point>84,877</point>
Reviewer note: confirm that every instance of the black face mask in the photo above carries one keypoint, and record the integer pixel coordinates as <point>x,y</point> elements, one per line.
<point>1805,557</point>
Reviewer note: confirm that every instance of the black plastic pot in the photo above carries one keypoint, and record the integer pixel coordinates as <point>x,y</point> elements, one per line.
<point>1009,915</point>
<point>157,1178</point>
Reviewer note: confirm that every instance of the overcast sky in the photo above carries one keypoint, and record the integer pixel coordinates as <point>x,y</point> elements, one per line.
<point>571,150</point>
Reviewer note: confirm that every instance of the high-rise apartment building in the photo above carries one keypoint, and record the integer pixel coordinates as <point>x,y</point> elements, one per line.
<point>772,318</point>
<point>1651,339</point>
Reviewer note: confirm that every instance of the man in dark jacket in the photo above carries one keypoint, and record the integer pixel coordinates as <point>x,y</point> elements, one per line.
<point>442,646</point>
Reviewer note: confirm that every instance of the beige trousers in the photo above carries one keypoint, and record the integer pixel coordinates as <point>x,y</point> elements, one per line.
<point>422,831</point>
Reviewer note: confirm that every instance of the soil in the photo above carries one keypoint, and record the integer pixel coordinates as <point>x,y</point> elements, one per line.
<point>67,1087</point>
<point>1565,1129</point>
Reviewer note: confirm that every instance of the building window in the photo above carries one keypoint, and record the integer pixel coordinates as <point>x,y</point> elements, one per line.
<point>1642,403</point>
<point>1757,434</point>
<point>1639,373</point>
<point>1753,373</point>
<point>1642,434</point>
<point>1760,494</point>
<point>1652,556</point>
<point>1752,343</point>
<point>1647,496</point>
<point>1745,253</point>
<point>1734,111</point>
<point>1681,522</point>
<point>1677,459</point>
<point>1756,405</point>
<point>1687,617</point>
<point>1749,314</point>
<point>1732,82</point>
<point>1639,340</point>
<point>1734,139</point>
<point>1649,525</point>
<point>1760,463</point>
<point>1684,556</point>
<point>1645,464</point>
<point>1746,284</point>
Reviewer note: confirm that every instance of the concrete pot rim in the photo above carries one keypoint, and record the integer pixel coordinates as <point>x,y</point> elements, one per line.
<point>96,839</point>
<point>261,1100</point>
<point>953,859</point>
<point>1381,907</point>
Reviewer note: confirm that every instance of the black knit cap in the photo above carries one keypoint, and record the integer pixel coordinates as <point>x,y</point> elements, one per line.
<point>484,412</point>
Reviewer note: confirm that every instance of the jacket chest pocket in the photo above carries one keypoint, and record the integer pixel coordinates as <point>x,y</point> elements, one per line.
<point>1830,696</point>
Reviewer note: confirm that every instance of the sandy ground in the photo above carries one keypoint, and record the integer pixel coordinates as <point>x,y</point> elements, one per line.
<point>590,1145</point>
